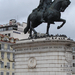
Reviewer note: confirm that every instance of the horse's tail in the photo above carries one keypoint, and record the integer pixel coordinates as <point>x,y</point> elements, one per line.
<point>28,25</point>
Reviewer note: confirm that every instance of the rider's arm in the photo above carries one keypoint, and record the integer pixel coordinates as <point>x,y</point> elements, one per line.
<point>41,2</point>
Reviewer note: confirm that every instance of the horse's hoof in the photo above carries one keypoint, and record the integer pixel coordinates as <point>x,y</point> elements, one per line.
<point>58,27</point>
<point>35,37</point>
<point>30,37</point>
<point>47,35</point>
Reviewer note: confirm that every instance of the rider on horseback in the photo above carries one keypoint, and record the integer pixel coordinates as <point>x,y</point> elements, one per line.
<point>49,13</point>
<point>43,5</point>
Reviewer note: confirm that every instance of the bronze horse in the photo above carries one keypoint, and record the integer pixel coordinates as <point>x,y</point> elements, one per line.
<point>52,14</point>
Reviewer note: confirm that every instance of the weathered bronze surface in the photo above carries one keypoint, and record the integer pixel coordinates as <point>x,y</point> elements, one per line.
<point>48,12</point>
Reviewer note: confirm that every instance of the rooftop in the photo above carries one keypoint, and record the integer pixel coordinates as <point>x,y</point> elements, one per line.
<point>4,38</point>
<point>12,25</point>
<point>12,22</point>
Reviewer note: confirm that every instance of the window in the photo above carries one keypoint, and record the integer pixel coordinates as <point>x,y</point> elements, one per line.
<point>16,40</point>
<point>2,46</point>
<point>5,39</point>
<point>14,28</point>
<point>8,55</point>
<point>8,47</point>
<point>5,34</point>
<point>0,38</point>
<point>2,73</point>
<point>12,73</point>
<point>8,65</point>
<point>4,29</point>
<point>2,55</point>
<point>9,34</point>
<point>12,65</point>
<point>73,48</point>
<point>73,64</point>
<point>2,64</point>
<point>1,29</point>
<point>13,56</point>
<point>12,40</point>
<point>7,73</point>
<point>73,57</point>
<point>10,28</point>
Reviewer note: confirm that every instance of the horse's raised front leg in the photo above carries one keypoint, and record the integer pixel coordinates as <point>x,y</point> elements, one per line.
<point>48,26</point>
<point>61,20</point>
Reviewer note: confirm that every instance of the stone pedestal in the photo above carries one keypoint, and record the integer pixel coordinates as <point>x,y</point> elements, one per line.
<point>44,56</point>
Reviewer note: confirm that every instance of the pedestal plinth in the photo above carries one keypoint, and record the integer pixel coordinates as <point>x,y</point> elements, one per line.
<point>44,56</point>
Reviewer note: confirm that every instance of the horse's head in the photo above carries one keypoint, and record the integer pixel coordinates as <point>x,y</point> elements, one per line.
<point>64,5</point>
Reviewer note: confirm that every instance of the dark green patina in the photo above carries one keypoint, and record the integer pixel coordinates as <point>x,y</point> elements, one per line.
<point>47,12</point>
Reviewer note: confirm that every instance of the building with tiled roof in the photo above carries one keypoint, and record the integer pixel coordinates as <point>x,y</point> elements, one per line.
<point>7,55</point>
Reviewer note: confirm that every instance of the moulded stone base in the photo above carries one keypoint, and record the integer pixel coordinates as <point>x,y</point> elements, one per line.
<point>43,57</point>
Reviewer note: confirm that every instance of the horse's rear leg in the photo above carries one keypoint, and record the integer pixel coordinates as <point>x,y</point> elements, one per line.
<point>48,26</point>
<point>30,36</point>
<point>30,33</point>
<point>32,29</point>
<point>35,33</point>
<point>61,20</point>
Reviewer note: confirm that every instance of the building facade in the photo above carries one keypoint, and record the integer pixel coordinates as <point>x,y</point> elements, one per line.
<point>73,68</point>
<point>7,55</point>
<point>14,29</point>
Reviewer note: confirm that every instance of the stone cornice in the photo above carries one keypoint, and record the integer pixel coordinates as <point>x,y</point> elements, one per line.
<point>42,42</point>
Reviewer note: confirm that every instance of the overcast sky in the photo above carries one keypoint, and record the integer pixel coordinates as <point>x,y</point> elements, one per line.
<point>20,9</point>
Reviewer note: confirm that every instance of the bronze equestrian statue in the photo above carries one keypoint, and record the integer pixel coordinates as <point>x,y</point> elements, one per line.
<point>48,12</point>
